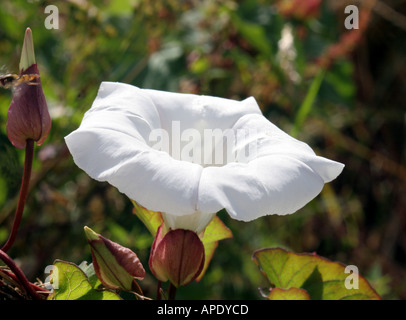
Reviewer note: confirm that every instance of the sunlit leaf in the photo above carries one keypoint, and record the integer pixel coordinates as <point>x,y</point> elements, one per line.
<point>151,219</point>
<point>214,232</point>
<point>90,273</point>
<point>288,294</point>
<point>71,283</point>
<point>321,278</point>
<point>209,249</point>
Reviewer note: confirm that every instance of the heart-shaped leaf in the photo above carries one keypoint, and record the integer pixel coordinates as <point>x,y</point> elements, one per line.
<point>321,278</point>
<point>71,283</point>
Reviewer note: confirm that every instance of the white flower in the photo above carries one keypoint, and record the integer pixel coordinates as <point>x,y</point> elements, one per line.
<point>214,153</point>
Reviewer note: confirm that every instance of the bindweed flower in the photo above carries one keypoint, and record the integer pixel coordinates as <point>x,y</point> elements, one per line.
<point>115,265</point>
<point>28,116</point>
<point>190,156</point>
<point>177,256</point>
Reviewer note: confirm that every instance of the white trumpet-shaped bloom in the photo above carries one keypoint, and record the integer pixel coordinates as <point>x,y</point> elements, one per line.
<point>190,156</point>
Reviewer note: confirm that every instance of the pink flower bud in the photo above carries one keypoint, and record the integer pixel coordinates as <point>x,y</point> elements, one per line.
<point>115,265</point>
<point>177,256</point>
<point>28,116</point>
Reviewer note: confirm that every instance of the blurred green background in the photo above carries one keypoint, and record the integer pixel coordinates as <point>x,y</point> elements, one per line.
<point>341,91</point>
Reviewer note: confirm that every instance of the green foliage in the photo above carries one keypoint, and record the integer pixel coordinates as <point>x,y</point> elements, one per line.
<point>288,294</point>
<point>213,233</point>
<point>308,102</point>
<point>309,276</point>
<point>71,283</point>
<point>151,219</point>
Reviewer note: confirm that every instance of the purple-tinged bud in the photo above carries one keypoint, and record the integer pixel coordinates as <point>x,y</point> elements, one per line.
<point>28,116</point>
<point>115,265</point>
<point>177,256</point>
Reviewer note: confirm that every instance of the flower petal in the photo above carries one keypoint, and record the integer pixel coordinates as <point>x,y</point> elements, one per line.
<point>199,112</point>
<point>196,222</point>
<point>113,144</point>
<point>267,139</point>
<point>273,174</point>
<point>150,177</point>
<point>267,185</point>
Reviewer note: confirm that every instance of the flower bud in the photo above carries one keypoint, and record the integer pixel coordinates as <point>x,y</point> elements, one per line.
<point>115,265</point>
<point>28,116</point>
<point>177,256</point>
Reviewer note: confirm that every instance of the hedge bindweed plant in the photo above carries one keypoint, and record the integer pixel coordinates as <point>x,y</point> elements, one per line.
<point>180,159</point>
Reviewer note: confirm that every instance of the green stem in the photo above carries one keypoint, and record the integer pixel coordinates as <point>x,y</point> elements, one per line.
<point>171,292</point>
<point>307,103</point>
<point>20,275</point>
<point>29,156</point>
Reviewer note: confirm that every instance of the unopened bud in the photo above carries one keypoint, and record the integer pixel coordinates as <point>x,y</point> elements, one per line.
<point>115,265</point>
<point>177,256</point>
<point>28,116</point>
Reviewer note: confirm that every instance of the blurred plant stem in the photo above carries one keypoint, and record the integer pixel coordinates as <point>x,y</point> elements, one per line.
<point>171,292</point>
<point>22,279</point>
<point>29,155</point>
<point>159,290</point>
<point>308,102</point>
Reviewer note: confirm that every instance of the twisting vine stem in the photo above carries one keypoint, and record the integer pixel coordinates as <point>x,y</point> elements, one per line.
<point>20,275</point>
<point>29,155</point>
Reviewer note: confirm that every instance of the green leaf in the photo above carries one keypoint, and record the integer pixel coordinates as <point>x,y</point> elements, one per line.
<point>254,33</point>
<point>90,273</point>
<point>308,102</point>
<point>288,294</point>
<point>71,283</point>
<point>214,232</point>
<point>151,219</point>
<point>200,65</point>
<point>119,7</point>
<point>321,278</point>
<point>341,79</point>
